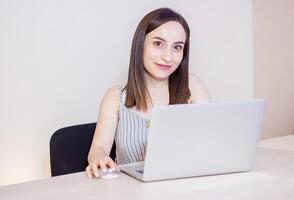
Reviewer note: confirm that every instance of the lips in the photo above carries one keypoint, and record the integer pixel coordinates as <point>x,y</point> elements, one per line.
<point>162,66</point>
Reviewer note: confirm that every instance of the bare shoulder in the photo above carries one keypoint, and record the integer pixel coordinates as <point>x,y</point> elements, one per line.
<point>194,80</point>
<point>113,91</point>
<point>198,91</point>
<point>111,96</point>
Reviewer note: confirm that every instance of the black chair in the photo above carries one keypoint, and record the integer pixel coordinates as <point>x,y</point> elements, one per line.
<point>69,148</point>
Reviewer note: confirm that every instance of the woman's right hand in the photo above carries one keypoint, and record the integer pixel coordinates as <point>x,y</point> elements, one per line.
<point>103,163</point>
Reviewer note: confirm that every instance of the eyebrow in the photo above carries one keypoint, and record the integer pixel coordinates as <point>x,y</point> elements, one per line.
<point>159,38</point>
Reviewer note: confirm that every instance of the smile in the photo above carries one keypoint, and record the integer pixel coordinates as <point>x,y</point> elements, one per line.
<point>163,67</point>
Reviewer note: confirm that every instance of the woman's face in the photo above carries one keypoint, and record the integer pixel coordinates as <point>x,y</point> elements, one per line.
<point>163,50</point>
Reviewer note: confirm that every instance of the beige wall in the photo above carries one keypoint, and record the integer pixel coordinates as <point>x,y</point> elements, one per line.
<point>273,24</point>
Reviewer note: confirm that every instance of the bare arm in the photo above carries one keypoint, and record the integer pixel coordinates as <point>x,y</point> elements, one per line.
<point>199,94</point>
<point>98,156</point>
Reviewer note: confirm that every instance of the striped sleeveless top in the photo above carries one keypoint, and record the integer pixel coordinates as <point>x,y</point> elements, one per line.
<point>131,134</point>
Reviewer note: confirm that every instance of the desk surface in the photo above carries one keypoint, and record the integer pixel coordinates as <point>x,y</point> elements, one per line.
<point>282,143</point>
<point>272,178</point>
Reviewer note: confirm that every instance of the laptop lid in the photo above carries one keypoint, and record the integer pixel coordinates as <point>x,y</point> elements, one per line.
<point>202,139</point>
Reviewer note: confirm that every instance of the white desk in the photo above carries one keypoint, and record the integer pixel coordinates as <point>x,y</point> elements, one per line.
<point>272,178</point>
<point>281,143</point>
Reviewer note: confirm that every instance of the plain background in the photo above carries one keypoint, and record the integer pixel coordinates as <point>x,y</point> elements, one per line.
<point>273,30</point>
<point>57,59</point>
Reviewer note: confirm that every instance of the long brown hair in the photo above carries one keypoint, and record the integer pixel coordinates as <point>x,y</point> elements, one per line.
<point>136,88</point>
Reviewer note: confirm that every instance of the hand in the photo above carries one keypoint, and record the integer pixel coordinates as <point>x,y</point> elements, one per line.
<point>103,163</point>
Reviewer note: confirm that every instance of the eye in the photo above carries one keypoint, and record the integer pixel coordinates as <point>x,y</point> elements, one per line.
<point>178,47</point>
<point>157,43</point>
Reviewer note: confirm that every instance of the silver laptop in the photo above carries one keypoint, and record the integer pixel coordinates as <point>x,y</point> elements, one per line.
<point>191,140</point>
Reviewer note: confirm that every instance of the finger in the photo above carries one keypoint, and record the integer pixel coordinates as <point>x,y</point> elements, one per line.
<point>88,172</point>
<point>94,170</point>
<point>112,165</point>
<point>103,166</point>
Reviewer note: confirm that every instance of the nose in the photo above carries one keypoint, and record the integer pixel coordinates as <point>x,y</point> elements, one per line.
<point>167,55</point>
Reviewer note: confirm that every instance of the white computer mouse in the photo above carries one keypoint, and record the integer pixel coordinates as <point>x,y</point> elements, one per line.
<point>109,174</point>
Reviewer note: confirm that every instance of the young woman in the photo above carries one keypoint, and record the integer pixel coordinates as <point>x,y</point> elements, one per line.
<point>158,75</point>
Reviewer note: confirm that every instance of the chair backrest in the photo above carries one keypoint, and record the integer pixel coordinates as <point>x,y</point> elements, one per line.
<point>69,148</point>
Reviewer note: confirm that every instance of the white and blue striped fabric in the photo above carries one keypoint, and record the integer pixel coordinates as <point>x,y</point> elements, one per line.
<point>131,134</point>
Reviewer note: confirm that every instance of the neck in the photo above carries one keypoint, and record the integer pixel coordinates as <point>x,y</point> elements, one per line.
<point>154,84</point>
